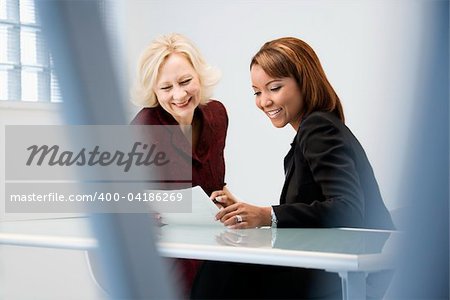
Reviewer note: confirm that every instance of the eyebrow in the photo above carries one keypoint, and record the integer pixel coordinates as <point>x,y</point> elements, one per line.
<point>272,81</point>
<point>182,78</point>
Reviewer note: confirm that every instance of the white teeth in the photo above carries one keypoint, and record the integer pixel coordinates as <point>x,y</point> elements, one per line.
<point>273,113</point>
<point>182,104</point>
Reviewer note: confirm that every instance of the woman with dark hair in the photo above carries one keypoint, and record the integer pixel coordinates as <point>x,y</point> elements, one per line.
<point>329,180</point>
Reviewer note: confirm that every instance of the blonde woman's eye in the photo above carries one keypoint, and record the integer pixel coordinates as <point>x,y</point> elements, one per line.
<point>184,82</point>
<point>166,88</point>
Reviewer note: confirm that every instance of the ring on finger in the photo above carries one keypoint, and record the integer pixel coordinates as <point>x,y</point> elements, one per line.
<point>238,218</point>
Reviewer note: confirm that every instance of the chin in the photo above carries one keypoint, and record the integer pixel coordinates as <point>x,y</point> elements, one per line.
<point>184,113</point>
<point>278,125</point>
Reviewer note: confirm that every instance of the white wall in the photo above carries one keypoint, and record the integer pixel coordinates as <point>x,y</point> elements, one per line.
<point>363,46</point>
<point>369,51</point>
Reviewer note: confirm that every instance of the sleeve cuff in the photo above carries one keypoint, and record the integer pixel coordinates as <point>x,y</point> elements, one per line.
<point>273,218</point>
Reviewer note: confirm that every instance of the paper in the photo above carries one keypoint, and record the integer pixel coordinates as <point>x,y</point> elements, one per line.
<point>203,211</point>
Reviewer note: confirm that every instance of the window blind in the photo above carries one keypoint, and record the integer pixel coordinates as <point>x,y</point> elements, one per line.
<point>26,67</point>
<point>25,64</point>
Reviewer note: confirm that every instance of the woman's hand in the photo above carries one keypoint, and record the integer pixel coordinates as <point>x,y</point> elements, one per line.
<point>261,237</point>
<point>242,215</point>
<point>223,198</point>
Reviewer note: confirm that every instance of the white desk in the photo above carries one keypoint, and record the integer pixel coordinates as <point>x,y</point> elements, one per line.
<point>351,253</point>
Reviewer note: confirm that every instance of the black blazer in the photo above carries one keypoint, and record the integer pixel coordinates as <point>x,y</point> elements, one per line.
<point>329,183</point>
<point>329,180</point>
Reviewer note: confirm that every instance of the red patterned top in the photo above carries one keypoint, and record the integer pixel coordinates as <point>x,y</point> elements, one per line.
<point>208,164</point>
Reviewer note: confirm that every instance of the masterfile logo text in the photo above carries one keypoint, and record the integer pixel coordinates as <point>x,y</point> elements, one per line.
<point>97,168</point>
<point>96,152</point>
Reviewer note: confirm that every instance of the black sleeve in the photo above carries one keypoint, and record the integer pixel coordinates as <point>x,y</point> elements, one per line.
<point>327,151</point>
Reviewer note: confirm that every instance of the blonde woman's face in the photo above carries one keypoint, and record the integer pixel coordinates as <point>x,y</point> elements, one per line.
<point>177,88</point>
<point>279,98</point>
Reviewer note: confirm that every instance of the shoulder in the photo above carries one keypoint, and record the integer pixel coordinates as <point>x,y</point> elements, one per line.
<point>214,106</point>
<point>321,117</point>
<point>215,112</point>
<point>320,128</point>
<point>321,122</point>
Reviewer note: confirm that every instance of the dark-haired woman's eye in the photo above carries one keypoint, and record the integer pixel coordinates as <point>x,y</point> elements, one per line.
<point>257,93</point>
<point>274,89</point>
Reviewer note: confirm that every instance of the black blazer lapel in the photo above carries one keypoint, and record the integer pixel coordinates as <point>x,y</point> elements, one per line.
<point>289,168</point>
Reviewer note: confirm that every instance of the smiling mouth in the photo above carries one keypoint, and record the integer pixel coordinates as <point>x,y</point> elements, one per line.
<point>182,104</point>
<point>273,113</point>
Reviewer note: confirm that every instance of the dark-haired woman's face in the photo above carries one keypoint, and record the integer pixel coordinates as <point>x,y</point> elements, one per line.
<point>279,98</point>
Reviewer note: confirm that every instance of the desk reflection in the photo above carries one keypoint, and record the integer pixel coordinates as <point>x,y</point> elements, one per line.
<point>331,240</point>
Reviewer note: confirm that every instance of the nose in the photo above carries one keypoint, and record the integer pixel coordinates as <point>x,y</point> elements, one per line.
<point>179,93</point>
<point>265,101</point>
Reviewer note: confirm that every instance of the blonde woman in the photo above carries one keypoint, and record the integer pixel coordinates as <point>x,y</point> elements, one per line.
<point>174,86</point>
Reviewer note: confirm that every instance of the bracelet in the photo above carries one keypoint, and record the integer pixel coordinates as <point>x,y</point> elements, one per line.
<point>273,218</point>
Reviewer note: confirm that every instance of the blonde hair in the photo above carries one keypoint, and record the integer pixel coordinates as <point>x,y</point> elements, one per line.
<point>155,55</point>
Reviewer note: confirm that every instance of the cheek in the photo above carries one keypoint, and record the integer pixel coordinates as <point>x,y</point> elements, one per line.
<point>162,98</point>
<point>292,101</point>
<point>194,89</point>
<point>297,107</point>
